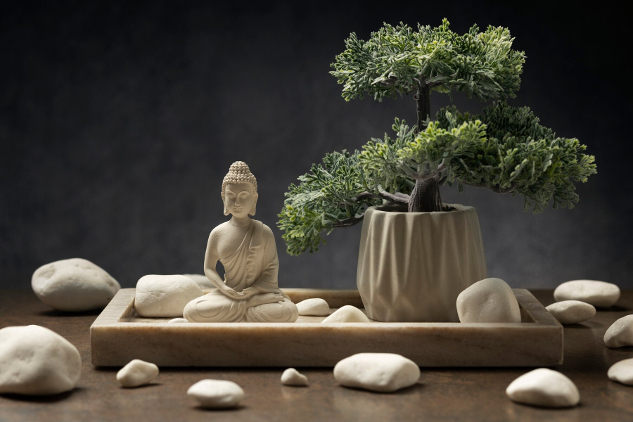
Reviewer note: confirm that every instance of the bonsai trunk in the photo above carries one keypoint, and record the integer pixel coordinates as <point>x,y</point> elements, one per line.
<point>426,195</point>
<point>423,98</point>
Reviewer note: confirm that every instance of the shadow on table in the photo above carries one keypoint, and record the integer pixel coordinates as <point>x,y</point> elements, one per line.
<point>41,399</point>
<point>56,313</point>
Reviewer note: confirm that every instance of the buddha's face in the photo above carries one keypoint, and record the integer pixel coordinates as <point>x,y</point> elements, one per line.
<point>239,200</point>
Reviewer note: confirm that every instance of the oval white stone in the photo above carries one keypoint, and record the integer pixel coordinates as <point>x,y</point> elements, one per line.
<point>177,321</point>
<point>74,285</point>
<point>597,293</point>
<point>347,313</point>
<point>136,373</point>
<point>315,306</point>
<point>571,311</point>
<point>292,377</point>
<point>37,361</point>
<point>216,394</point>
<point>620,333</point>
<point>201,280</point>
<point>622,372</point>
<point>544,387</point>
<point>488,300</point>
<point>164,295</point>
<point>382,372</point>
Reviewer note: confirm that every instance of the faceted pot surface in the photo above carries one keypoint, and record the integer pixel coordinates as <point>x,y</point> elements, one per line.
<point>412,266</point>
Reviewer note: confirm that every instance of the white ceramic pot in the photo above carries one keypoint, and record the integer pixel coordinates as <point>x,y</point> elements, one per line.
<point>412,266</point>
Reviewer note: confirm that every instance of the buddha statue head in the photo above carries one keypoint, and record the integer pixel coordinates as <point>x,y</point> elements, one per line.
<point>239,191</point>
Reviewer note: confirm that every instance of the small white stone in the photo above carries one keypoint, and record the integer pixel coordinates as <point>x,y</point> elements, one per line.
<point>620,333</point>
<point>571,311</point>
<point>597,293</point>
<point>177,321</point>
<point>544,387</point>
<point>382,372</point>
<point>37,361</point>
<point>316,307</point>
<point>216,394</point>
<point>292,377</point>
<point>201,280</point>
<point>488,300</point>
<point>137,373</point>
<point>74,285</point>
<point>164,295</point>
<point>347,313</point>
<point>622,372</point>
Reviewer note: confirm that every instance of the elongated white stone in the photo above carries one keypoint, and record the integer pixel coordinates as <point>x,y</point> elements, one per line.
<point>315,307</point>
<point>37,361</point>
<point>164,295</point>
<point>137,373</point>
<point>216,394</point>
<point>347,313</point>
<point>74,285</point>
<point>620,333</point>
<point>622,372</point>
<point>177,321</point>
<point>201,280</point>
<point>488,300</point>
<point>382,372</point>
<point>292,377</point>
<point>571,311</point>
<point>597,293</point>
<point>544,387</point>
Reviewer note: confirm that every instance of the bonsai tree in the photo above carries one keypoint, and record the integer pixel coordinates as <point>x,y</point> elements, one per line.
<point>505,149</point>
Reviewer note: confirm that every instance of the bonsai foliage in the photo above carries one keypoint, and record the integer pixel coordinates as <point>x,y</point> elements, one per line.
<point>505,149</point>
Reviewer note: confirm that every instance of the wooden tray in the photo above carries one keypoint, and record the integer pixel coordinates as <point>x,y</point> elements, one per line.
<point>119,335</point>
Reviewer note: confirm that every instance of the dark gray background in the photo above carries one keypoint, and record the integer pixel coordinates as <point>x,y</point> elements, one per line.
<point>118,122</point>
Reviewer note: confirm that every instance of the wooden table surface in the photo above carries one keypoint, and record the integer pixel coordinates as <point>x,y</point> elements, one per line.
<point>476,394</point>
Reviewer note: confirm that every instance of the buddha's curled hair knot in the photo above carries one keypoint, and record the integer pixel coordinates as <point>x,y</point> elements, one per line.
<point>239,173</point>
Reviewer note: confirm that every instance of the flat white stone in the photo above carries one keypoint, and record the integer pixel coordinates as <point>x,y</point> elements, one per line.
<point>315,307</point>
<point>488,300</point>
<point>216,394</point>
<point>571,311</point>
<point>177,321</point>
<point>164,295</point>
<point>622,372</point>
<point>137,373</point>
<point>597,293</point>
<point>201,280</point>
<point>37,361</point>
<point>620,333</point>
<point>74,285</point>
<point>293,377</point>
<point>347,313</point>
<point>544,387</point>
<point>382,372</point>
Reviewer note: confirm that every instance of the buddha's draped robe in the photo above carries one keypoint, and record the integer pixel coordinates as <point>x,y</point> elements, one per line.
<point>253,264</point>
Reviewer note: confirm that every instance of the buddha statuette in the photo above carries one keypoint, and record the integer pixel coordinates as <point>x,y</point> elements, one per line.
<point>247,250</point>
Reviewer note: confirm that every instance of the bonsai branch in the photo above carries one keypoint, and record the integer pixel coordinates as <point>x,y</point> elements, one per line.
<point>509,189</point>
<point>348,222</point>
<point>397,197</point>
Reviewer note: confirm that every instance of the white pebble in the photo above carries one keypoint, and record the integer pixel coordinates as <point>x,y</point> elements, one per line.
<point>488,300</point>
<point>544,387</point>
<point>164,295</point>
<point>37,361</point>
<point>347,313</point>
<point>292,377</point>
<point>315,307</point>
<point>622,372</point>
<point>382,372</point>
<point>216,394</point>
<point>74,285</point>
<point>571,311</point>
<point>597,293</point>
<point>620,333</point>
<point>137,373</point>
<point>177,321</point>
<point>201,280</point>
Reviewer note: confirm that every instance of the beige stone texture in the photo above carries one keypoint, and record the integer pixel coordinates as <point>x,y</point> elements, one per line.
<point>119,335</point>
